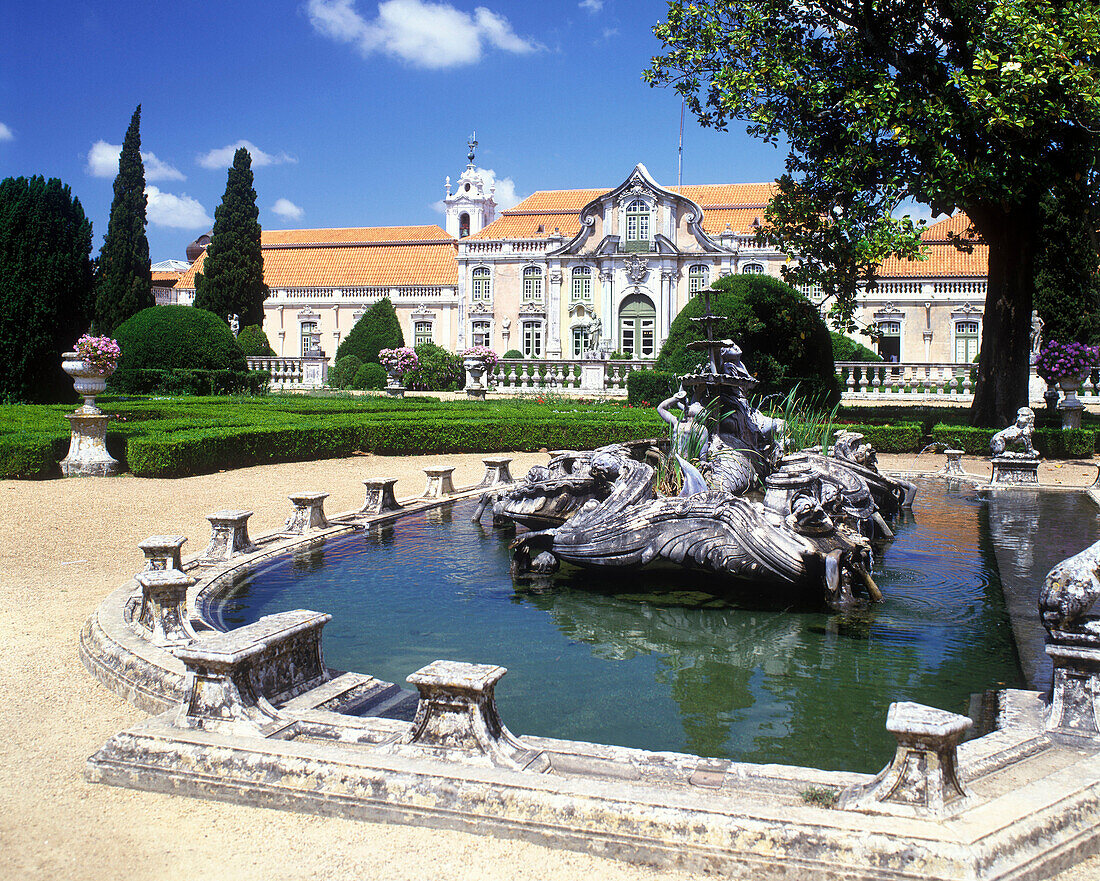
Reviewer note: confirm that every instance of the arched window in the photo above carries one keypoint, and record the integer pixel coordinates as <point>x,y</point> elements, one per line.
<point>481,288</point>
<point>637,225</point>
<point>637,327</point>
<point>698,277</point>
<point>582,284</point>
<point>422,332</point>
<point>532,285</point>
<point>966,341</point>
<point>752,269</point>
<point>464,223</point>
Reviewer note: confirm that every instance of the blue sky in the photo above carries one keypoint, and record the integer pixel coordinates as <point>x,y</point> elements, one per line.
<point>357,109</point>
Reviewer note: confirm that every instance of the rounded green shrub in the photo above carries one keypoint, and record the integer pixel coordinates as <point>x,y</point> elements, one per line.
<point>378,329</point>
<point>369,376</point>
<point>847,349</point>
<point>343,371</point>
<point>177,337</point>
<point>783,337</point>
<point>253,342</point>
<point>512,354</point>
<point>437,371</point>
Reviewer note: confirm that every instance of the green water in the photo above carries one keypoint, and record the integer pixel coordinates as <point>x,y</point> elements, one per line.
<point>652,661</point>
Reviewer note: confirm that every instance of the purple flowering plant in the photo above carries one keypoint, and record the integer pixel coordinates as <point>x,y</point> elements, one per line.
<point>483,352</point>
<point>398,361</point>
<point>99,353</point>
<point>1065,360</point>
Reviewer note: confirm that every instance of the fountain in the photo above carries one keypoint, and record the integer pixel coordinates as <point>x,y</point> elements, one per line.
<point>811,531</point>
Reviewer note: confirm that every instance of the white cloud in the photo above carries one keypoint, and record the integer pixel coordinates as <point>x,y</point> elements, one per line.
<point>287,209</point>
<point>6,133</point>
<point>177,212</point>
<point>223,156</point>
<point>103,162</point>
<point>425,34</point>
<point>505,195</point>
<point>592,6</point>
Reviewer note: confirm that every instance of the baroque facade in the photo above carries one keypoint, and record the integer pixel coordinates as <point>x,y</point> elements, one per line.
<point>580,273</point>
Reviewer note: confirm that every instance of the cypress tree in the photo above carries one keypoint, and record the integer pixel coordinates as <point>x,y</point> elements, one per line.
<point>124,286</point>
<point>232,280</point>
<point>46,286</point>
<point>378,329</point>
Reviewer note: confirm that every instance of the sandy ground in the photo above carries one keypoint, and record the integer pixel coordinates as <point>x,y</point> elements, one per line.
<point>64,545</point>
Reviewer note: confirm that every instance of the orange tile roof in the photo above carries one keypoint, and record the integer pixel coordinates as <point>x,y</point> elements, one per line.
<point>393,256</point>
<point>944,259</point>
<point>165,279</point>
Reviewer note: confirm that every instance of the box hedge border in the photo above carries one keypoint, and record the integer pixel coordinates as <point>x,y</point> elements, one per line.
<point>1052,443</point>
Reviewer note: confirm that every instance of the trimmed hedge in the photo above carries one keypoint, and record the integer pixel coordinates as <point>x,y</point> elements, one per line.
<point>1052,443</point>
<point>650,387</point>
<point>177,337</point>
<point>201,383</point>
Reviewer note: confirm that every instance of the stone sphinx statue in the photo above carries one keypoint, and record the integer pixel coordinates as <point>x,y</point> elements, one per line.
<point>1069,592</point>
<point>1018,434</point>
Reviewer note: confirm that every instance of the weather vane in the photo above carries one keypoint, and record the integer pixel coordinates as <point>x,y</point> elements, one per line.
<point>472,143</point>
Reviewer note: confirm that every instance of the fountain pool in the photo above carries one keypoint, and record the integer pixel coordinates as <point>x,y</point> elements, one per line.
<point>724,676</point>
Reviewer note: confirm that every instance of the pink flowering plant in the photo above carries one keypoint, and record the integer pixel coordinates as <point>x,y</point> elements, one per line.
<point>1065,360</point>
<point>483,353</point>
<point>99,353</point>
<point>398,361</point>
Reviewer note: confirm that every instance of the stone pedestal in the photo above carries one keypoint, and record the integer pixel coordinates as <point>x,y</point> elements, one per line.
<point>477,394</point>
<point>234,678</point>
<point>922,780</point>
<point>439,482</point>
<point>497,471</point>
<point>228,536</point>
<point>88,456</point>
<point>592,377</point>
<point>1014,472</point>
<point>379,498</point>
<point>163,616</point>
<point>163,552</point>
<point>1071,410</point>
<point>309,514</point>
<point>1074,707</point>
<point>457,716</point>
<point>953,466</point>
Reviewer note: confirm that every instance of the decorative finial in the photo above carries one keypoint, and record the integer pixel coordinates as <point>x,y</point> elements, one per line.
<point>472,144</point>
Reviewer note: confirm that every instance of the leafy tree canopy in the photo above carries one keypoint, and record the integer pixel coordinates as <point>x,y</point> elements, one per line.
<point>124,283</point>
<point>982,106</point>
<point>46,286</point>
<point>232,277</point>
<point>378,329</point>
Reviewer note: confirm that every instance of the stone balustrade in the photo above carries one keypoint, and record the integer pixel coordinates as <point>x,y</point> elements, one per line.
<point>235,679</point>
<point>292,374</point>
<point>570,375</point>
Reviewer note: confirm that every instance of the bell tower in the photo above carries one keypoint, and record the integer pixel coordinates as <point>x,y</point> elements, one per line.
<point>469,209</point>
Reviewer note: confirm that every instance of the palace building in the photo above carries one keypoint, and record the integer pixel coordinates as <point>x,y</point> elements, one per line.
<point>580,273</point>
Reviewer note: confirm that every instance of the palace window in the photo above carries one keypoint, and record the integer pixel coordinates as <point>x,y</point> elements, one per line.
<point>889,341</point>
<point>698,276</point>
<point>582,284</point>
<point>966,341</point>
<point>532,339</point>
<point>580,341</point>
<point>638,326</point>
<point>752,269</point>
<point>637,225</point>
<point>311,337</point>
<point>481,288</point>
<point>422,332</point>
<point>479,333</point>
<point>532,285</point>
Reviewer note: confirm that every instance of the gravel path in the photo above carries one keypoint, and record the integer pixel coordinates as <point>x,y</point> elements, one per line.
<point>64,545</point>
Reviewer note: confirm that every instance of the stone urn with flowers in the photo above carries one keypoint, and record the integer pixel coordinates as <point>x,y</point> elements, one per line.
<point>94,359</point>
<point>478,361</point>
<point>1068,366</point>
<point>397,363</point>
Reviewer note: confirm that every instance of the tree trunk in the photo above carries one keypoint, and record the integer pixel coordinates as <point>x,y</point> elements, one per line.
<point>1004,368</point>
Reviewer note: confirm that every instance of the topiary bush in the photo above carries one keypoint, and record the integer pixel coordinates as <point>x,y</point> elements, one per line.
<point>437,371</point>
<point>369,376</point>
<point>784,338</point>
<point>650,387</point>
<point>512,355</point>
<point>847,349</point>
<point>177,337</point>
<point>343,371</point>
<point>253,342</point>
<point>378,329</point>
